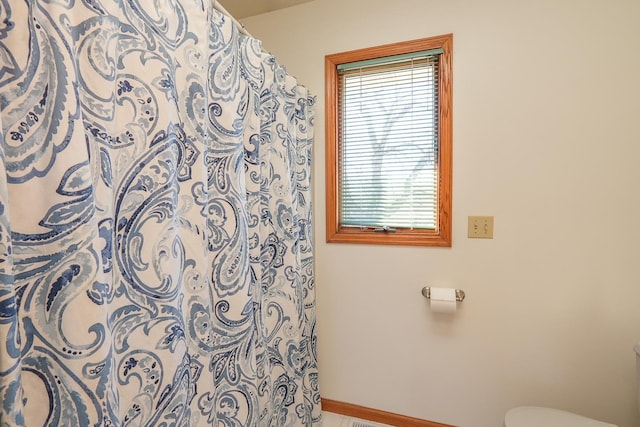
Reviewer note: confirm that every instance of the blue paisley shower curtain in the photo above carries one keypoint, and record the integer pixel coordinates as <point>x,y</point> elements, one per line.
<point>156,265</point>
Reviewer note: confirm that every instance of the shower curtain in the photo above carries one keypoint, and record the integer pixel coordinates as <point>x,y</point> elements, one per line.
<point>156,264</point>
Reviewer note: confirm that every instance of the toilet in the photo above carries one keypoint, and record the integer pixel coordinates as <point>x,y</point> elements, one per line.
<point>534,416</point>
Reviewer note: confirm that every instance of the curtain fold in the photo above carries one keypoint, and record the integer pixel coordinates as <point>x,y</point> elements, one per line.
<point>156,258</point>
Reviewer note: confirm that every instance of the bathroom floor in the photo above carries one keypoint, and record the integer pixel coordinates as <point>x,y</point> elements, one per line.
<point>329,419</point>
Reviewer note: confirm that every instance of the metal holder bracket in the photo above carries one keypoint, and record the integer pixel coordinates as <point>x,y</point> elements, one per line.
<point>426,292</point>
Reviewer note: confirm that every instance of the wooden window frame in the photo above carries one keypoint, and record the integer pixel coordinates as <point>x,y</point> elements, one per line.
<point>441,236</point>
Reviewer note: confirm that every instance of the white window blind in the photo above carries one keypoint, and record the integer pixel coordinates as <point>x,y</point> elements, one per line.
<point>388,125</point>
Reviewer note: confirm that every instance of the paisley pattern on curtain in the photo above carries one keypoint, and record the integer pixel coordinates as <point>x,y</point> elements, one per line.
<point>156,263</point>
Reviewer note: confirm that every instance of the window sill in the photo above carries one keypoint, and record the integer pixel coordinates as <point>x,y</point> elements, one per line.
<point>401,237</point>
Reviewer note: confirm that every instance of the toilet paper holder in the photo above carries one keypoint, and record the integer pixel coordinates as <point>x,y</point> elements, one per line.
<point>426,292</point>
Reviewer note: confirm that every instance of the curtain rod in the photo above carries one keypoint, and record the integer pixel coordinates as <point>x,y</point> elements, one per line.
<point>220,8</point>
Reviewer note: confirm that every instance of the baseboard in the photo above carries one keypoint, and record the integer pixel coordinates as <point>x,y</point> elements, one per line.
<point>376,415</point>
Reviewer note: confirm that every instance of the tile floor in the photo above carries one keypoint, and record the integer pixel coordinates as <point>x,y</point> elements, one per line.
<point>329,419</point>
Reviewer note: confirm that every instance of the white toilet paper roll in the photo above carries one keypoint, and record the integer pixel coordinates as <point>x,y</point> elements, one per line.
<point>448,307</point>
<point>443,300</point>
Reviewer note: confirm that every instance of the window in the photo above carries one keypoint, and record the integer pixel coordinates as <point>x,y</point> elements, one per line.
<point>388,144</point>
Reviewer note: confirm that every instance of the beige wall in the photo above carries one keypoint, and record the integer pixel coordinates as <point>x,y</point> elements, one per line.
<point>546,139</point>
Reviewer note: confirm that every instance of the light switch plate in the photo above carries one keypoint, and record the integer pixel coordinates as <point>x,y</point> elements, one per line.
<point>480,227</point>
